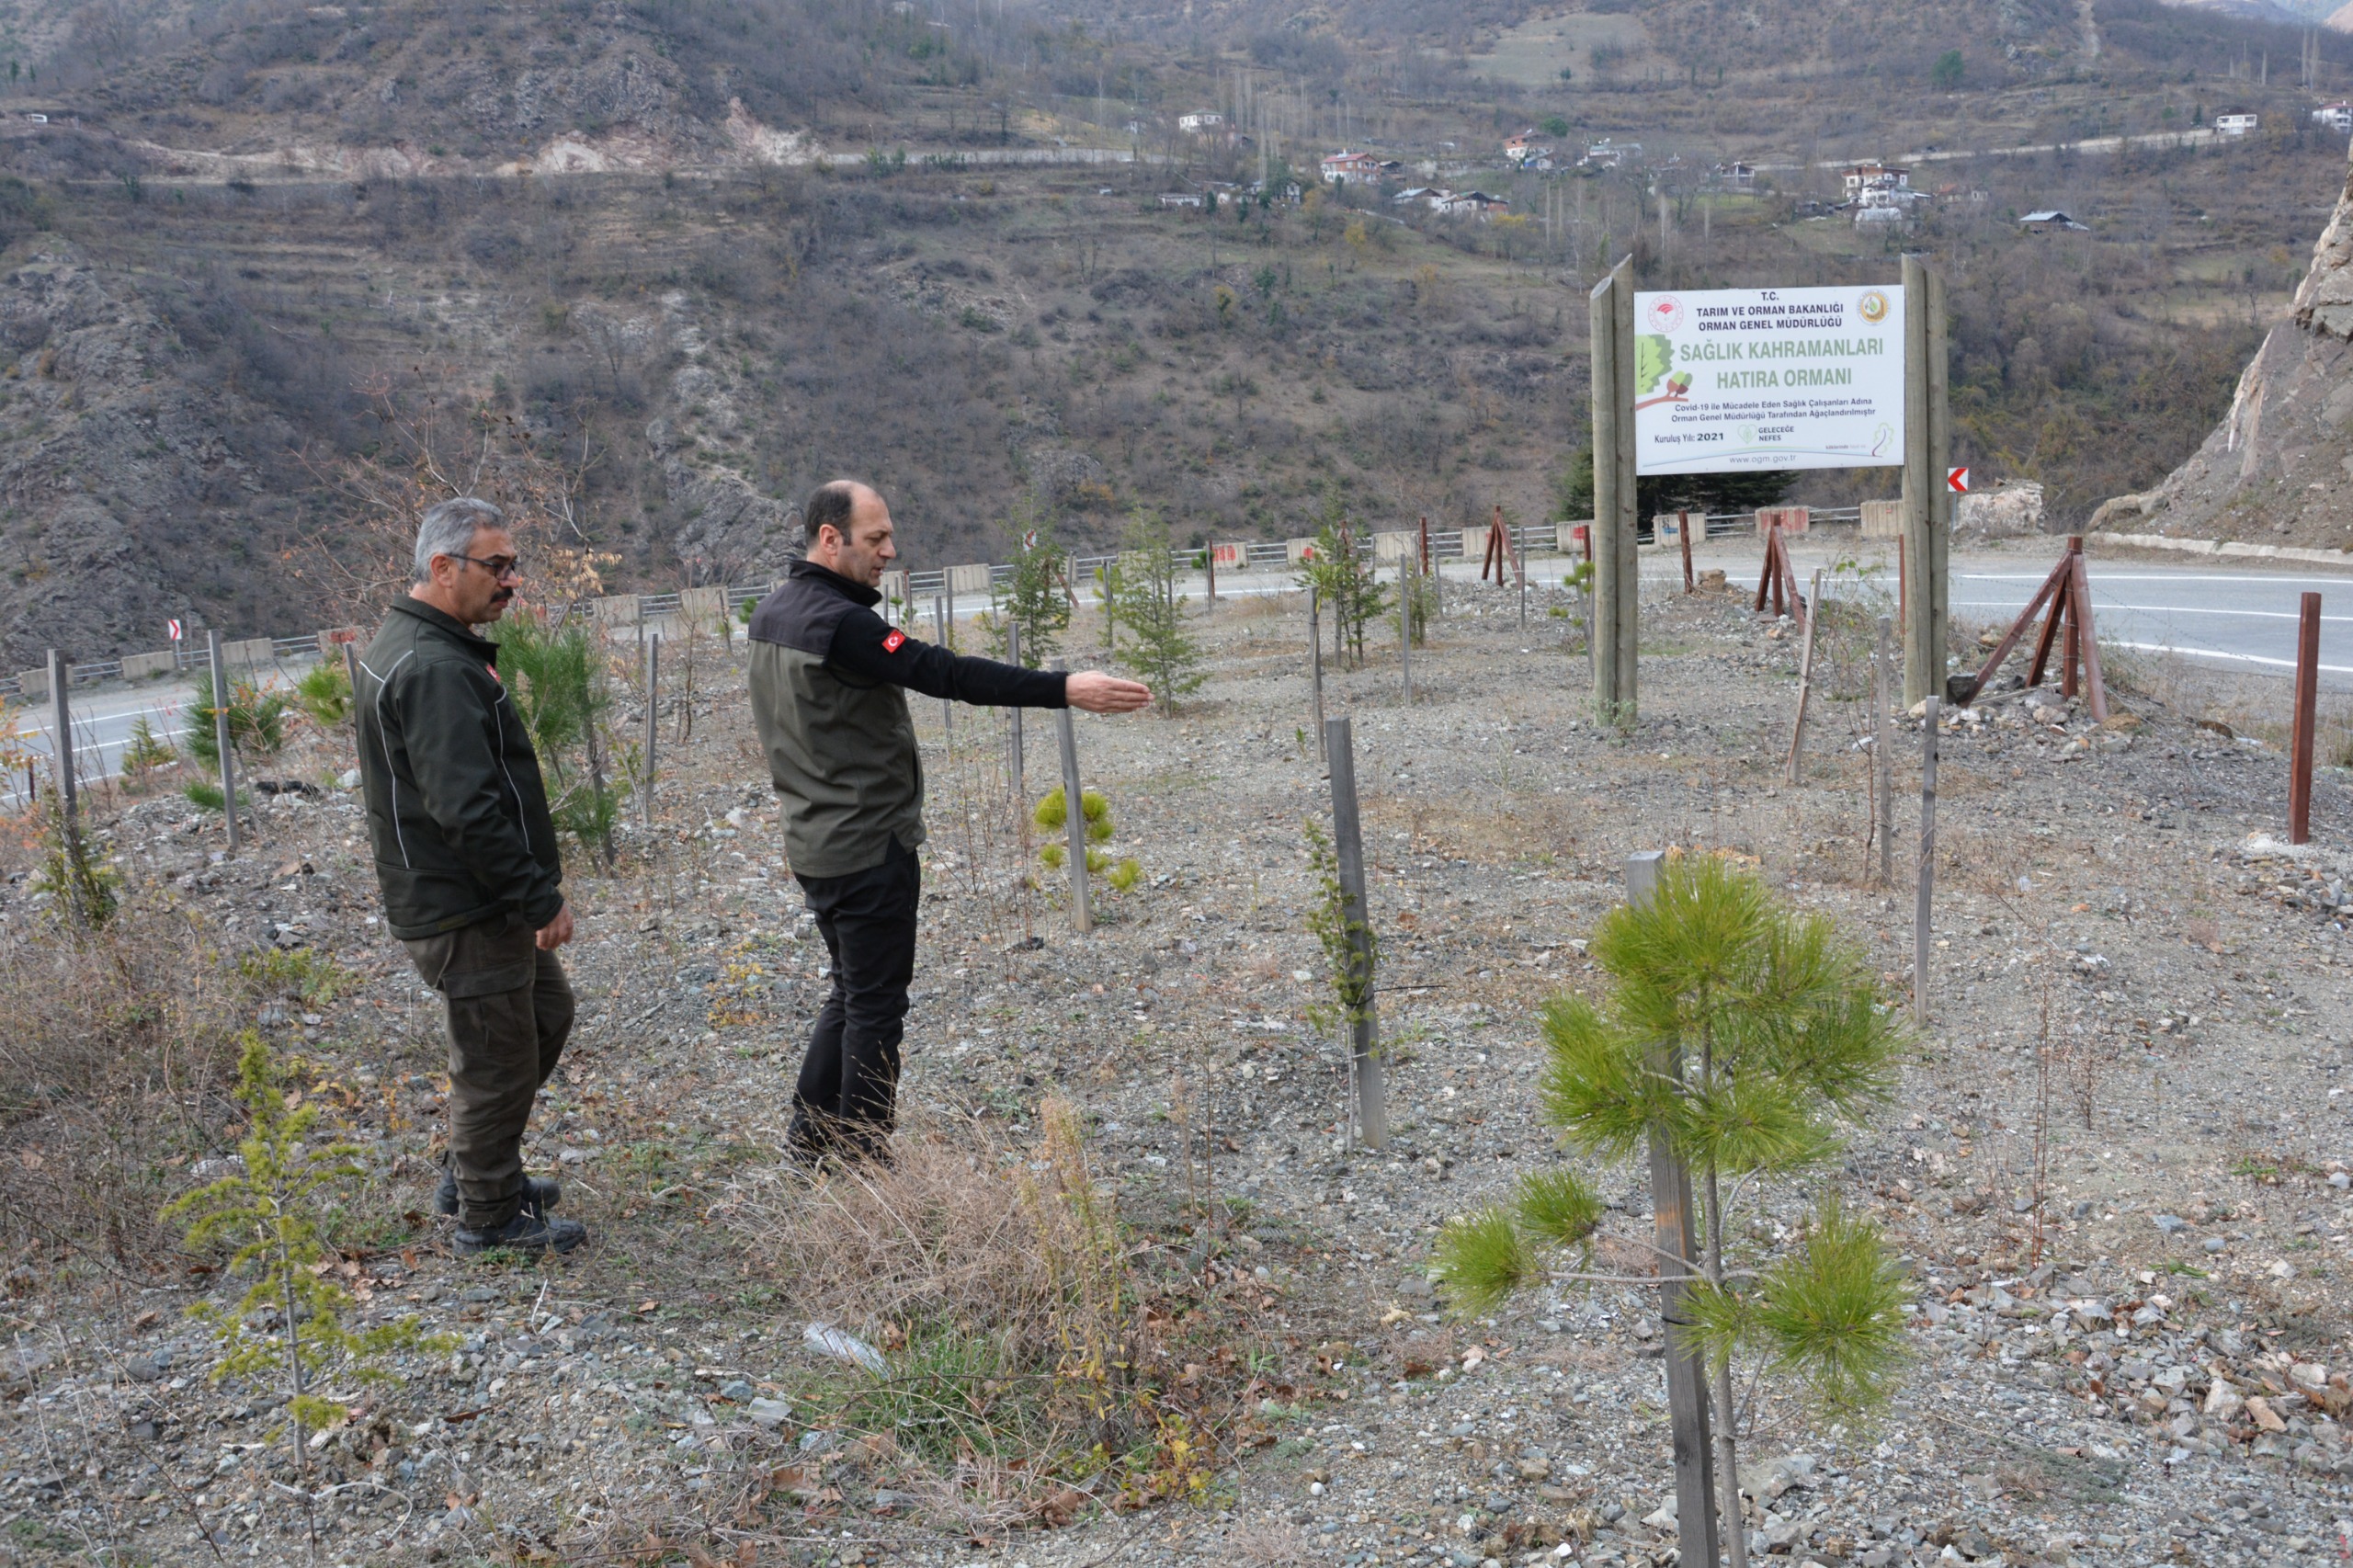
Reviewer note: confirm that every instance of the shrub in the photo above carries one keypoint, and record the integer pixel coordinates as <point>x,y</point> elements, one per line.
<point>325,693</point>
<point>556,677</point>
<point>257,721</point>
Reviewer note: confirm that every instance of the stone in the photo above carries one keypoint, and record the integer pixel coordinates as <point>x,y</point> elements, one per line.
<point>2224,1402</point>
<point>2171,1224</point>
<point>348,780</point>
<point>2216,1245</point>
<point>143,1370</point>
<point>2259,1411</point>
<point>739,1391</point>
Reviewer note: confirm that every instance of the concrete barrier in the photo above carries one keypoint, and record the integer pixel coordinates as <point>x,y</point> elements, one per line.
<point>250,654</point>
<point>33,685</point>
<point>1474,543</point>
<point>972,579</point>
<point>1883,520</point>
<point>894,587</point>
<point>1296,551</point>
<point>148,666</point>
<point>1791,518</point>
<point>615,610</point>
<point>703,602</point>
<point>1230,557</point>
<point>1395,544</point>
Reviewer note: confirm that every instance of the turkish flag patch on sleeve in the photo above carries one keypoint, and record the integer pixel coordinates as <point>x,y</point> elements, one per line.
<point>893,643</point>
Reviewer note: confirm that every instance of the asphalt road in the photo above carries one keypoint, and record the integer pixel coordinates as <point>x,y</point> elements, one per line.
<point>2242,621</point>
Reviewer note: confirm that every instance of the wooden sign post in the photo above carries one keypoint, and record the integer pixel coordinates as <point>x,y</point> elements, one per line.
<point>1928,502</point>
<point>1617,573</point>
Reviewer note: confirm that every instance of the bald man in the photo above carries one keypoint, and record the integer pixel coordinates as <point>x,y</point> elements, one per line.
<point>829,682</point>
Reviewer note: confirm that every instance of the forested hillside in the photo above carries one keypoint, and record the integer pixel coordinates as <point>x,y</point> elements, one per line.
<point>690,257</point>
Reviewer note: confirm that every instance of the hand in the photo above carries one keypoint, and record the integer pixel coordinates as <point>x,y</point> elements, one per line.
<point>556,932</point>
<point>1099,693</point>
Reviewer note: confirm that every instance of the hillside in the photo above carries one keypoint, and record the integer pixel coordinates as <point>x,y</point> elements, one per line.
<point>687,258</point>
<point>2275,468</point>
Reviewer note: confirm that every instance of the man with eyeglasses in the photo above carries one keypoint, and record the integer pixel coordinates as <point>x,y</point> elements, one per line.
<point>466,855</point>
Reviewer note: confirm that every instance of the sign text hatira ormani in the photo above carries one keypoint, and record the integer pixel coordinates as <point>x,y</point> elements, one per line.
<point>1782,348</point>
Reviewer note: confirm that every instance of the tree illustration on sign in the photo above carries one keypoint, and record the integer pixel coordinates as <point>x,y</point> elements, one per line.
<point>1654,358</point>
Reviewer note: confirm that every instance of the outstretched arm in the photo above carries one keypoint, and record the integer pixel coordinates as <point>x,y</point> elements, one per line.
<point>867,648</point>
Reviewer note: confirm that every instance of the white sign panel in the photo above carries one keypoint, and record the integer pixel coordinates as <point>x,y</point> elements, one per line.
<point>1727,379</point>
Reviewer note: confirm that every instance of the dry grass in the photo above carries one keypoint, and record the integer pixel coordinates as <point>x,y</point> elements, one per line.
<point>113,1070</point>
<point>1030,1371</point>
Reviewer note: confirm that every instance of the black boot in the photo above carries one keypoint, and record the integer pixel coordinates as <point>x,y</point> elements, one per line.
<point>526,1232</point>
<point>539,1193</point>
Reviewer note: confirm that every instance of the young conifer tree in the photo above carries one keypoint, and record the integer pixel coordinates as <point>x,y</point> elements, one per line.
<point>1747,1037</point>
<point>1161,653</point>
<point>1033,598</point>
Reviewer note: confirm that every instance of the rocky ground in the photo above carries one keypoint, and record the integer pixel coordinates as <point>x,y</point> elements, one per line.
<point>2117,1168</point>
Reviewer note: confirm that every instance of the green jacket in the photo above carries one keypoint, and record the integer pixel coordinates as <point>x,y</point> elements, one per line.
<point>457,815</point>
<point>829,680</point>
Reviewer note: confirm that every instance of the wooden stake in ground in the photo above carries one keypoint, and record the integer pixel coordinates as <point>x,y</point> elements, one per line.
<point>1209,560</point>
<point>653,730</point>
<point>1927,869</point>
<point>2067,591</point>
<point>1779,579</point>
<point>939,633</point>
<point>1405,627</point>
<point>1805,680</point>
<point>1316,653</point>
<point>61,720</point>
<point>1347,849</point>
<point>1683,532</point>
<point>1675,1233</point>
<point>1082,914</point>
<point>219,729</point>
<point>1012,656</point>
<point>2300,772</point>
<point>1884,754</point>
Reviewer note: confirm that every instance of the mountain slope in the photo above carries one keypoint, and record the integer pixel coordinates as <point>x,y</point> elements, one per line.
<point>2279,468</point>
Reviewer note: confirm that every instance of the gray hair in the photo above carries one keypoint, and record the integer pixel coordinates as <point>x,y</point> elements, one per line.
<point>449,527</point>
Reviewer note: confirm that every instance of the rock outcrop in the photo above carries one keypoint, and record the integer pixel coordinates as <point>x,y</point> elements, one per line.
<point>2279,468</point>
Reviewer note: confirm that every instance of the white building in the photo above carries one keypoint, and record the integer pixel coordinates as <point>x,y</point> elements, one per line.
<point>1194,124</point>
<point>1860,177</point>
<point>1344,167</point>
<point>2336,116</point>
<point>2234,125</point>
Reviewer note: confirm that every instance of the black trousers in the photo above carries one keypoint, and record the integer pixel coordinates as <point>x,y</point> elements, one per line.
<point>846,1098</point>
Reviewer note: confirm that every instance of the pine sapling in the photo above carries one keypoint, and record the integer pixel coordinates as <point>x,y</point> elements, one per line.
<point>1747,1037</point>
<point>290,1322</point>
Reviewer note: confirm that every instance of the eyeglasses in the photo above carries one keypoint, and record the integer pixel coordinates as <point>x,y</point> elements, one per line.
<point>503,567</point>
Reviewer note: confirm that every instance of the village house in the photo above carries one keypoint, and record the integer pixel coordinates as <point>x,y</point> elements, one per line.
<point>1199,121</point>
<point>2336,116</point>
<point>1525,148</point>
<point>1475,204</point>
<point>1344,167</point>
<point>2050,221</point>
<point>1608,154</point>
<point>1857,178</point>
<point>1179,198</point>
<point>2235,124</point>
<point>1738,175</point>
